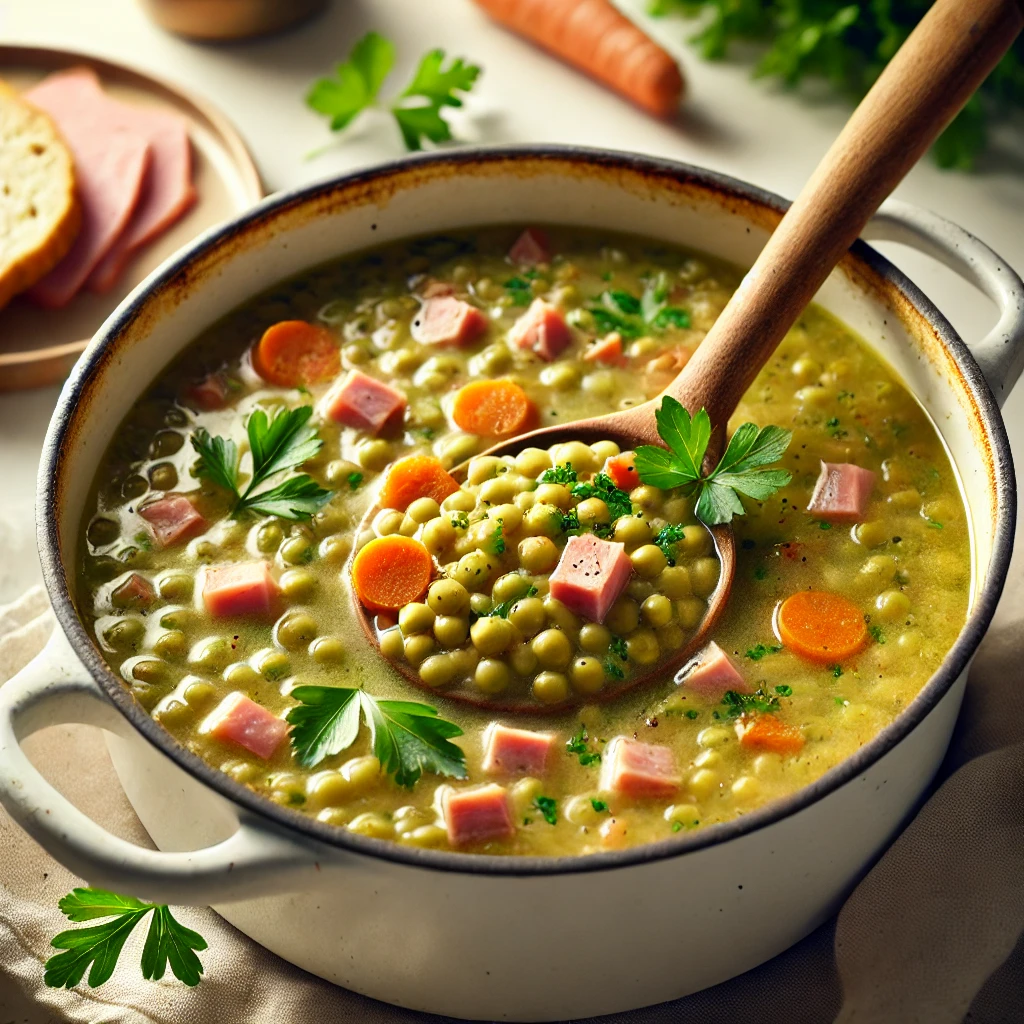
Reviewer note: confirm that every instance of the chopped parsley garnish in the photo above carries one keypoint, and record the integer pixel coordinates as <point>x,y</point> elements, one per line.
<point>667,538</point>
<point>519,290</point>
<point>632,317</point>
<point>354,480</point>
<point>603,487</point>
<point>837,671</point>
<point>276,445</point>
<point>745,703</point>
<point>822,525</point>
<point>742,469</point>
<point>500,611</point>
<point>599,805</point>
<point>356,84</point>
<point>618,647</point>
<point>563,474</point>
<point>691,713</point>
<point>612,670</point>
<point>96,949</point>
<point>577,745</point>
<point>548,807</point>
<point>407,737</point>
<point>460,520</point>
<point>834,429</point>
<point>498,538</point>
<point>785,690</point>
<point>677,826</point>
<point>934,523</point>
<point>758,651</point>
<point>877,634</point>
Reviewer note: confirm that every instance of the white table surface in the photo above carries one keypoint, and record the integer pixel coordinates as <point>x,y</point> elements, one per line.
<point>730,123</point>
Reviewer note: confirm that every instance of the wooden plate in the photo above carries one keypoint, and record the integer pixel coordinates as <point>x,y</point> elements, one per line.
<point>38,346</point>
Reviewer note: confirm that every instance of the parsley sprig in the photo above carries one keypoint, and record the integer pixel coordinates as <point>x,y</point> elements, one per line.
<point>621,311</point>
<point>740,471</point>
<point>408,738</point>
<point>96,949</point>
<point>577,744</point>
<point>357,82</point>
<point>276,445</point>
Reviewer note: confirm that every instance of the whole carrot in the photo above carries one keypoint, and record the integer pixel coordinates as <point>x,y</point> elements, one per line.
<point>595,37</point>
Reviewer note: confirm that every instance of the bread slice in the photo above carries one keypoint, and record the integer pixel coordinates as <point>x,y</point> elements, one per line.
<point>39,211</point>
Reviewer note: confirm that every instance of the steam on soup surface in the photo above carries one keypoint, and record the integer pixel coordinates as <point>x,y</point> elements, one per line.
<point>224,612</point>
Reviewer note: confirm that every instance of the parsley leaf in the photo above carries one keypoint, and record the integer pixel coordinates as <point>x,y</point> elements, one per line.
<point>602,486</point>
<point>357,82</point>
<point>618,648</point>
<point>408,738</point>
<point>667,538</point>
<point>740,471</point>
<point>563,474</point>
<point>276,445</point>
<point>599,805</point>
<point>548,807</point>
<point>498,538</point>
<point>577,744</point>
<point>500,611</point>
<point>745,703</point>
<point>612,670</point>
<point>758,651</point>
<point>785,690</point>
<point>96,949</point>
<point>519,291</point>
<point>354,480</point>
<point>877,634</point>
<point>632,317</point>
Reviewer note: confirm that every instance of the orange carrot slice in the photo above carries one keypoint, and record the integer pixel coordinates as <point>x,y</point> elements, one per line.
<point>600,40</point>
<point>766,732</point>
<point>622,470</point>
<point>606,350</point>
<point>418,476</point>
<point>821,626</point>
<point>493,408</point>
<point>390,572</point>
<point>294,352</point>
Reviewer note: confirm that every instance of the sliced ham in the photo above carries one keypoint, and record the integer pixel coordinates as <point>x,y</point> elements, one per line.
<point>209,394</point>
<point>445,320</point>
<point>606,350</point>
<point>244,588</point>
<point>362,401</point>
<point>622,470</point>
<point>237,719</point>
<point>172,519</point>
<point>134,592</point>
<point>712,673</point>
<point>510,751</point>
<point>111,160</point>
<point>590,575</point>
<point>472,815</point>
<point>841,493</point>
<point>541,329</point>
<point>530,248</point>
<point>167,192</point>
<point>638,770</point>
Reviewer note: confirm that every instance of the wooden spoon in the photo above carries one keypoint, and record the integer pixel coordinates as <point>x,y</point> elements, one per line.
<point>940,65</point>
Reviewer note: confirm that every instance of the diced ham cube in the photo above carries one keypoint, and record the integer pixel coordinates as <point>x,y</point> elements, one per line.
<point>590,575</point>
<point>362,401</point>
<point>622,470</point>
<point>211,393</point>
<point>134,592</point>
<point>712,673</point>
<point>606,350</point>
<point>841,493</point>
<point>541,329</point>
<point>172,519</point>
<point>445,320</point>
<point>245,588</point>
<point>638,769</point>
<point>530,248</point>
<point>516,751</point>
<point>475,814</point>
<point>237,719</point>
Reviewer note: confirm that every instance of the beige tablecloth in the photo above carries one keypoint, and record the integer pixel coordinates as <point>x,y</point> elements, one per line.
<point>931,935</point>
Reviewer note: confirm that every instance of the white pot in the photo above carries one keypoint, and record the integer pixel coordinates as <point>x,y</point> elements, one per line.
<point>488,937</point>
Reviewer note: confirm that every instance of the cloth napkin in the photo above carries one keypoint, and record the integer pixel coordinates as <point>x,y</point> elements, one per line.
<point>932,934</point>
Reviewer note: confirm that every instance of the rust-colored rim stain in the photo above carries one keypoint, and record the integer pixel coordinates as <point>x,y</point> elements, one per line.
<point>663,180</point>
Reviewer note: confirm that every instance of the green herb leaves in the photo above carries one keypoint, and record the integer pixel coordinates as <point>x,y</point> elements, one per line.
<point>500,611</point>
<point>277,445</point>
<point>548,808</point>
<point>407,737</point>
<point>632,317</point>
<point>418,110</point>
<point>96,949</point>
<point>740,471</point>
<point>577,744</point>
<point>744,703</point>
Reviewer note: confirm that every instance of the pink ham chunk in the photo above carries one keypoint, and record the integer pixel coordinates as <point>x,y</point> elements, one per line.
<point>712,673</point>
<point>445,320</point>
<point>530,248</point>
<point>245,588</point>
<point>541,329</point>
<point>590,575</point>
<point>237,719</point>
<point>111,161</point>
<point>841,493</point>
<point>362,402</point>
<point>211,393</point>
<point>472,815</point>
<point>516,751</point>
<point>172,519</point>
<point>638,770</point>
<point>134,592</point>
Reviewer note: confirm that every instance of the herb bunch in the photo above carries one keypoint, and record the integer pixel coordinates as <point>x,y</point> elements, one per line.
<point>632,317</point>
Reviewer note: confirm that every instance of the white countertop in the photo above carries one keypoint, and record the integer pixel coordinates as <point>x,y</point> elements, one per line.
<point>730,123</point>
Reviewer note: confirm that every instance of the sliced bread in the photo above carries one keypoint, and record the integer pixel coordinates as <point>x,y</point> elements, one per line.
<point>39,212</point>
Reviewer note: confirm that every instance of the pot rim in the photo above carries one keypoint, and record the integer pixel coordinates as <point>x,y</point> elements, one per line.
<point>290,821</point>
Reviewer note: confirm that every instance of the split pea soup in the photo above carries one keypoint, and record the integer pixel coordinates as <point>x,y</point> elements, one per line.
<point>225,568</point>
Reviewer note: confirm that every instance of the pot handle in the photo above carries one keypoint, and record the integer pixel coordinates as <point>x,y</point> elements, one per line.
<point>1000,354</point>
<point>55,689</point>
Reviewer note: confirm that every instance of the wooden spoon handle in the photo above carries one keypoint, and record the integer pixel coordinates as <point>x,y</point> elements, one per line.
<point>932,76</point>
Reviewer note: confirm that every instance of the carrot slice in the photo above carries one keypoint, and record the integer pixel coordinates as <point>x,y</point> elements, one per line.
<point>493,408</point>
<point>418,476</point>
<point>390,572</point>
<point>600,40</point>
<point>294,352</point>
<point>766,732</point>
<point>622,470</point>
<point>606,350</point>
<point>821,626</point>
